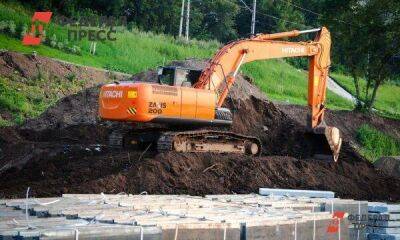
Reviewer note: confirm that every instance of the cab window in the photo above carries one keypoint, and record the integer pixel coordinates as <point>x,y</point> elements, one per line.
<point>167,77</point>
<point>181,76</point>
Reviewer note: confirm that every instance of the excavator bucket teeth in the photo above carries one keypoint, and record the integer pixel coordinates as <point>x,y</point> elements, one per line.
<point>327,143</point>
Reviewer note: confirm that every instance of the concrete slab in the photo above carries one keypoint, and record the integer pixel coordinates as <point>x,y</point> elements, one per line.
<point>379,207</point>
<point>296,193</point>
<point>389,216</point>
<point>357,233</point>
<point>384,223</point>
<point>383,230</point>
<point>376,236</point>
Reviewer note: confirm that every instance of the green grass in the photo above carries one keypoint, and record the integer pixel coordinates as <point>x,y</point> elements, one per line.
<point>281,81</point>
<point>13,102</point>
<point>21,99</point>
<point>387,97</point>
<point>376,144</point>
<point>131,53</point>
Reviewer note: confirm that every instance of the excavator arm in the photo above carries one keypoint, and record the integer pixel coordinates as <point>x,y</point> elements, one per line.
<point>220,73</point>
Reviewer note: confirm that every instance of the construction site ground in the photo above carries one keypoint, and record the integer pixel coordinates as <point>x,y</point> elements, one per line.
<point>65,149</point>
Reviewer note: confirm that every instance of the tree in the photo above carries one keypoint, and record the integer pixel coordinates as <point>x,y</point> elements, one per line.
<point>272,16</point>
<point>366,36</point>
<point>217,20</point>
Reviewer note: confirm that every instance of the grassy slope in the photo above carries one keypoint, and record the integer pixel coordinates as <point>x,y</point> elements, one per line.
<point>376,144</point>
<point>131,53</point>
<point>387,97</point>
<point>21,98</point>
<point>282,82</point>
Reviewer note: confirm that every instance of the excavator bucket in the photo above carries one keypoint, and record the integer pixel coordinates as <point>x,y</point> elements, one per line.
<point>327,143</point>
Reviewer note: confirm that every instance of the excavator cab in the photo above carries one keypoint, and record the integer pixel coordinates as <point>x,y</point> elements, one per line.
<point>178,76</point>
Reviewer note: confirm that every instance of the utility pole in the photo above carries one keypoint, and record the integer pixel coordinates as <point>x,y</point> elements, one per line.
<point>187,20</point>
<point>253,18</point>
<point>181,22</point>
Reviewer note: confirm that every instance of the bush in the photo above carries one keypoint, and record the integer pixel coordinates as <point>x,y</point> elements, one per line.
<point>76,50</point>
<point>12,28</point>
<point>376,144</point>
<point>44,36</point>
<point>23,30</point>
<point>8,27</point>
<point>70,76</point>
<point>60,45</point>
<point>3,26</point>
<point>65,45</point>
<point>53,41</point>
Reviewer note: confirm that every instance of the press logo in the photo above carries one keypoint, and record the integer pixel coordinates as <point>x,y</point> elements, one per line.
<point>34,37</point>
<point>333,226</point>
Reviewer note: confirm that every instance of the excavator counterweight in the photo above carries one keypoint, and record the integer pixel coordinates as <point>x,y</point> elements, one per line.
<point>182,96</point>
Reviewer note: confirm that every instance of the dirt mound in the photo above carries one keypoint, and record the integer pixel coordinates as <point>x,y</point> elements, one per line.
<point>347,121</point>
<point>63,151</point>
<point>389,165</point>
<point>80,108</point>
<point>31,66</point>
<point>197,174</point>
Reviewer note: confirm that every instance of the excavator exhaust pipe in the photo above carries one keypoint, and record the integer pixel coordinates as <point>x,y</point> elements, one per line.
<point>327,143</point>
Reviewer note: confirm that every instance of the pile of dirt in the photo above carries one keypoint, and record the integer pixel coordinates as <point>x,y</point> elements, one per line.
<point>196,174</point>
<point>64,151</point>
<point>389,165</point>
<point>347,121</point>
<point>80,108</point>
<point>32,66</point>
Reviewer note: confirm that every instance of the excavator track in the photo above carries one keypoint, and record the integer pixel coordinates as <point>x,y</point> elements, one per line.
<point>209,141</point>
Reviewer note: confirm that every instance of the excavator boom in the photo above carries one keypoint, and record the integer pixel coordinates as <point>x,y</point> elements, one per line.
<point>220,73</point>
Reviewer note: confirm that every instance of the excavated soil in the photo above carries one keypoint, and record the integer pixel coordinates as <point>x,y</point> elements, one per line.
<point>197,174</point>
<point>30,66</point>
<point>64,151</point>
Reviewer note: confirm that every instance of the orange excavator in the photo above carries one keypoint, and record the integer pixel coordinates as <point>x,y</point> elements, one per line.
<point>192,97</point>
